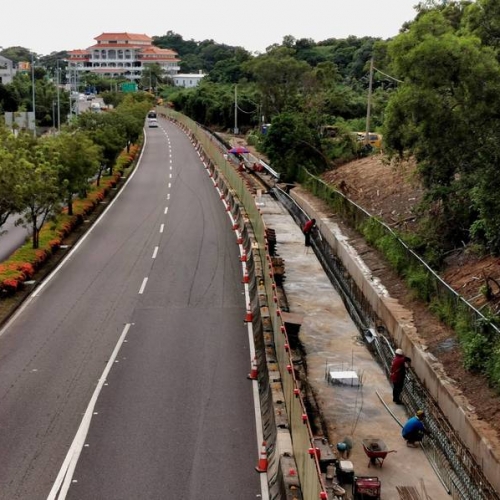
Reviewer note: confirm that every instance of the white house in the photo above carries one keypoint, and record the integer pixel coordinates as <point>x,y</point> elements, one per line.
<point>187,80</point>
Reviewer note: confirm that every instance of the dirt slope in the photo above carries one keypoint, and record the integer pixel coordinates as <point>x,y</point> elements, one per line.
<point>392,194</point>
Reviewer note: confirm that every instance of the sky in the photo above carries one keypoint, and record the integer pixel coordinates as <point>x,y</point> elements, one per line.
<point>46,26</point>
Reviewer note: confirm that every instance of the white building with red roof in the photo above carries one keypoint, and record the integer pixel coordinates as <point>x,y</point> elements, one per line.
<point>122,54</point>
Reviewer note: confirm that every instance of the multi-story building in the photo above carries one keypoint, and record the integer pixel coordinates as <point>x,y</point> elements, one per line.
<point>7,70</point>
<point>122,54</point>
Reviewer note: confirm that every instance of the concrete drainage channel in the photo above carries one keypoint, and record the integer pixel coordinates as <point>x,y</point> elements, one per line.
<point>457,469</point>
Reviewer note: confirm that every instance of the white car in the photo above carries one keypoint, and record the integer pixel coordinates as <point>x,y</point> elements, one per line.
<point>152,123</point>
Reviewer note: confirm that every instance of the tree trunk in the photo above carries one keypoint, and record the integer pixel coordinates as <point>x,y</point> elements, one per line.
<point>35,233</point>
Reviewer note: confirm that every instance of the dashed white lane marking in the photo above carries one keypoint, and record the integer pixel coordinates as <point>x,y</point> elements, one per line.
<point>143,286</point>
<point>170,176</point>
<point>162,227</point>
<point>65,477</point>
<point>155,253</point>
<point>168,196</point>
<point>169,185</point>
<point>166,210</point>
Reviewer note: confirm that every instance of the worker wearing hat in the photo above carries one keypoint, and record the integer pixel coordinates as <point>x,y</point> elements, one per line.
<point>414,430</point>
<point>398,374</point>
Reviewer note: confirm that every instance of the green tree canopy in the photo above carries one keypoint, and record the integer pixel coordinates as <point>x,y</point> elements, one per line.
<point>445,114</point>
<point>280,79</point>
<point>78,162</point>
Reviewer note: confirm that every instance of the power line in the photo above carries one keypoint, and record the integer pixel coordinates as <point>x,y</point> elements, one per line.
<point>247,112</point>
<point>388,76</point>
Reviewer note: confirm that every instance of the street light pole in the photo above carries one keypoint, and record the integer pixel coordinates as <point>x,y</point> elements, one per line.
<point>236,109</point>
<point>369,105</point>
<point>33,93</point>
<point>68,68</point>
<point>58,99</point>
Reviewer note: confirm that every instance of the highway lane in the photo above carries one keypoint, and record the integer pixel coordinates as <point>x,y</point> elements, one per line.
<point>175,418</point>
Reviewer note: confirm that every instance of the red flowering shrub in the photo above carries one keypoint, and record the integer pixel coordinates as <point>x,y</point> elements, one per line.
<point>40,257</point>
<point>27,269</point>
<point>54,244</point>
<point>10,285</point>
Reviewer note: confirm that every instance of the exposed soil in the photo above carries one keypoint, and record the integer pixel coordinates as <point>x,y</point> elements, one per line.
<point>392,194</point>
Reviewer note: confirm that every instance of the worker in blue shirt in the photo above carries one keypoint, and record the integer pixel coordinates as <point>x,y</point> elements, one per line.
<point>414,430</point>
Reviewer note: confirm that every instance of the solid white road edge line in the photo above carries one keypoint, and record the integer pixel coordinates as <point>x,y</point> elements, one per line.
<point>63,479</point>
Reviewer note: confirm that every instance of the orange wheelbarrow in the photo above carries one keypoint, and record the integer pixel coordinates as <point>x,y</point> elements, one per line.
<point>376,450</point>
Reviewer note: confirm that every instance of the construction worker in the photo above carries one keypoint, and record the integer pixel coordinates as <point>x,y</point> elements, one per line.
<point>414,430</point>
<point>307,230</point>
<point>398,374</point>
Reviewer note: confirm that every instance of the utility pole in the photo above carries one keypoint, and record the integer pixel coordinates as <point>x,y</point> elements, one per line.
<point>69,72</point>
<point>369,105</point>
<point>58,99</point>
<point>236,109</point>
<point>33,93</point>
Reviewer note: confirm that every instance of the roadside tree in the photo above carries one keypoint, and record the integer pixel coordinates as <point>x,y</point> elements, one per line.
<point>280,79</point>
<point>107,132</point>
<point>38,184</point>
<point>78,162</point>
<point>10,202</point>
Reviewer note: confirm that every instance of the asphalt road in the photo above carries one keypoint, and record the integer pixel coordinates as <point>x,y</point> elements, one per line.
<point>145,320</point>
